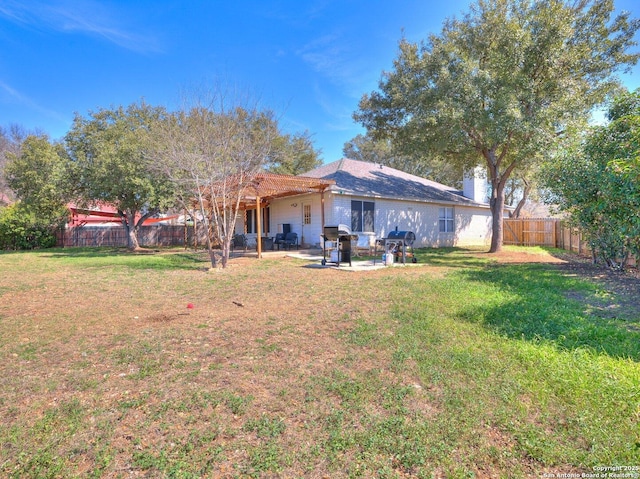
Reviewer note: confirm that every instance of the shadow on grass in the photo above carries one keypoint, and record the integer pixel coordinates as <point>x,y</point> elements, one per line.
<point>145,259</point>
<point>450,257</point>
<point>536,307</point>
<point>57,253</point>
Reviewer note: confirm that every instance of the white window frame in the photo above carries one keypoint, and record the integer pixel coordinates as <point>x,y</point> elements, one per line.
<point>366,216</point>
<point>446,219</point>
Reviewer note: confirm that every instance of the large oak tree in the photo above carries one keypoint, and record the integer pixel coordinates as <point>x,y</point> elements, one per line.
<point>110,165</point>
<point>501,85</point>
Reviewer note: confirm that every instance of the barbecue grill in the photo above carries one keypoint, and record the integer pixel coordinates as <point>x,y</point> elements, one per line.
<point>399,244</point>
<point>340,236</point>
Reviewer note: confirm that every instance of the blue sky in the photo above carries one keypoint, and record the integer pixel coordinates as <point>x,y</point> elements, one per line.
<point>310,61</point>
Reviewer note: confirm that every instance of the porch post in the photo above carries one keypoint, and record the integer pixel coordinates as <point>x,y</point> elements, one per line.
<point>258,228</point>
<point>322,209</point>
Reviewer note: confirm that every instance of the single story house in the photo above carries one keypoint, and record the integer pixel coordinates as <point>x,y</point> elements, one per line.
<point>373,200</point>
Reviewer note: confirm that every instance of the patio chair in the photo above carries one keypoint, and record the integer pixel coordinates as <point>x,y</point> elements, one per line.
<point>279,240</point>
<point>290,240</point>
<point>239,241</point>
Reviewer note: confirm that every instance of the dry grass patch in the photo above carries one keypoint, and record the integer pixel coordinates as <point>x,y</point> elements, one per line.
<point>278,370</point>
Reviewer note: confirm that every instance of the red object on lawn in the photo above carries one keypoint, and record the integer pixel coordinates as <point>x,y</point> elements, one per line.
<point>190,306</point>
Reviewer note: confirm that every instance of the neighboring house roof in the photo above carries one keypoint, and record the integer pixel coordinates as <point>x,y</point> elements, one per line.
<point>103,214</point>
<point>361,178</point>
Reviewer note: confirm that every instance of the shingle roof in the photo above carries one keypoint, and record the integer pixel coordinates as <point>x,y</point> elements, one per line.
<point>370,179</point>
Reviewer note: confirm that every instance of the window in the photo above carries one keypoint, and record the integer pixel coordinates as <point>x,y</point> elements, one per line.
<point>362,216</point>
<point>249,219</point>
<point>251,225</point>
<point>445,220</point>
<point>306,213</point>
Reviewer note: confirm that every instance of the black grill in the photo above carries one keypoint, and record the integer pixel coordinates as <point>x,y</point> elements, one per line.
<point>399,244</point>
<point>408,237</point>
<point>332,233</point>
<point>341,235</point>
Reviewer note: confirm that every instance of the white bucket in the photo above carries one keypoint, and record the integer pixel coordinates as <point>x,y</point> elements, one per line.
<point>333,256</point>
<point>388,259</point>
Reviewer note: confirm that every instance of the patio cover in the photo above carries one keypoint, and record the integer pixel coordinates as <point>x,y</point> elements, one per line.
<point>265,187</point>
<point>269,186</point>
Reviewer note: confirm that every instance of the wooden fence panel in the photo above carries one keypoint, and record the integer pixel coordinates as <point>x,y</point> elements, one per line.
<point>531,231</point>
<point>156,235</point>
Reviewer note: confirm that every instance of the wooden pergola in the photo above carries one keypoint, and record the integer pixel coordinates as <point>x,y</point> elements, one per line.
<point>263,188</point>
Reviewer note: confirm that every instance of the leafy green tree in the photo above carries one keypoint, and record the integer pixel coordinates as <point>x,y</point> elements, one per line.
<point>38,177</point>
<point>109,164</point>
<point>502,85</point>
<point>293,154</point>
<point>598,183</point>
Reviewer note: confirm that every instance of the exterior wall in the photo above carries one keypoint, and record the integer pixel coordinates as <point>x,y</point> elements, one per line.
<point>472,225</point>
<point>290,210</point>
<point>340,209</point>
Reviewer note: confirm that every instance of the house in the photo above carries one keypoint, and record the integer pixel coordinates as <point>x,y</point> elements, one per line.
<point>103,214</point>
<point>373,200</point>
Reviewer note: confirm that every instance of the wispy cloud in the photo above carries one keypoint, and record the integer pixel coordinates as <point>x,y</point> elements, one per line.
<point>331,56</point>
<point>336,109</point>
<point>9,94</point>
<point>85,17</point>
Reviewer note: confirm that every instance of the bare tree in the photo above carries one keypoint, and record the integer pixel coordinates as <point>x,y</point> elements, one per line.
<point>212,149</point>
<point>11,138</point>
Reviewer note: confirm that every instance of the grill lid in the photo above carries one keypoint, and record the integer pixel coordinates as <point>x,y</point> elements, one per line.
<point>407,236</point>
<point>331,233</point>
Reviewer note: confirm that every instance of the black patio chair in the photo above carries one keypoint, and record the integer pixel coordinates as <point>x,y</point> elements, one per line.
<point>239,241</point>
<point>290,239</point>
<point>279,240</point>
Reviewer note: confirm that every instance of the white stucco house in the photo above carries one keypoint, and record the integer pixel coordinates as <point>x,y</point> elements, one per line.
<point>373,199</point>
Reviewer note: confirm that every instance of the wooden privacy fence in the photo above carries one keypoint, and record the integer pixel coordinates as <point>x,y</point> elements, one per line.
<point>155,235</point>
<point>551,232</point>
<point>531,232</point>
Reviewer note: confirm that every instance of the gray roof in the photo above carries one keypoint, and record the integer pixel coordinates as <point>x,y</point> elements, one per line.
<point>360,178</point>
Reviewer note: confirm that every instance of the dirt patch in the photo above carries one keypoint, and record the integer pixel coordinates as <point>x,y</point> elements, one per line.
<point>519,257</point>
<point>620,294</point>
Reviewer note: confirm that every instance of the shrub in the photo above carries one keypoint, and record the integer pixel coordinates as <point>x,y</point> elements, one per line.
<point>20,229</point>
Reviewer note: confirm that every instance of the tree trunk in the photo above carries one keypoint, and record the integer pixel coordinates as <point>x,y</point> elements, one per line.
<point>525,196</point>
<point>210,237</point>
<point>497,212</point>
<point>128,221</point>
<point>133,238</point>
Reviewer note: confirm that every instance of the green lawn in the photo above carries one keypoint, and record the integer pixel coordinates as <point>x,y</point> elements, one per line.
<point>455,367</point>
